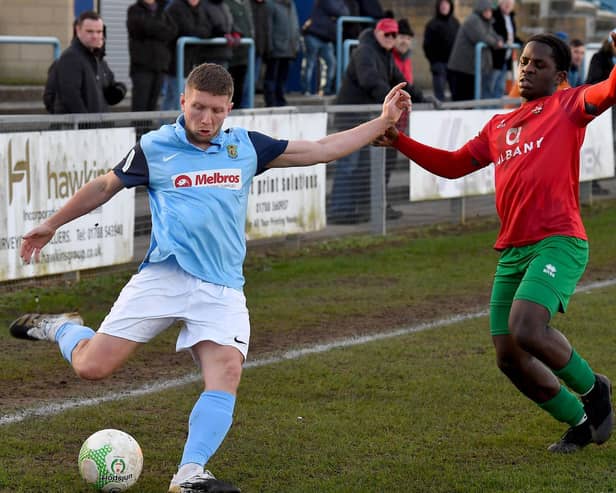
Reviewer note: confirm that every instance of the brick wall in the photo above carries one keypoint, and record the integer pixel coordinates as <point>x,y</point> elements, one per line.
<point>28,63</point>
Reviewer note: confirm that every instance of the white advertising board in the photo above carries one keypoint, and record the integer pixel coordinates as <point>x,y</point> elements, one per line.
<point>41,171</point>
<point>452,129</point>
<point>289,200</point>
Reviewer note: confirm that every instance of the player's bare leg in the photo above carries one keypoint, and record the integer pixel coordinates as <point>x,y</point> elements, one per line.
<point>534,355</point>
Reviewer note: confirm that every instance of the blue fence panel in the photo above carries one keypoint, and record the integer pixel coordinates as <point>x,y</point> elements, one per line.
<point>339,49</point>
<point>35,40</point>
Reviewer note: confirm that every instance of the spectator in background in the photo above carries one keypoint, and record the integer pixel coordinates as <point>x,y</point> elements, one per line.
<point>576,72</point>
<point>149,33</point>
<point>369,75</point>
<point>439,36</point>
<point>284,45</point>
<point>260,21</point>
<point>319,38</point>
<point>601,65</point>
<point>504,25</point>
<point>403,48</point>
<point>190,20</point>
<point>222,26</point>
<point>361,8</point>
<point>80,81</point>
<point>461,65</point>
<point>238,66</point>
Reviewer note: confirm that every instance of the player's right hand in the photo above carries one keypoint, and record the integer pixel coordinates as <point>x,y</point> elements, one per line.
<point>33,241</point>
<point>387,139</point>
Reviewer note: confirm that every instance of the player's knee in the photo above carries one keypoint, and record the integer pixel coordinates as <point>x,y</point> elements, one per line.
<point>506,362</point>
<point>226,377</point>
<point>91,370</point>
<point>526,331</point>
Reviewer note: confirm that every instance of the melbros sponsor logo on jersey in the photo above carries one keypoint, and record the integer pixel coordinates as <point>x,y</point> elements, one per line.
<point>220,178</point>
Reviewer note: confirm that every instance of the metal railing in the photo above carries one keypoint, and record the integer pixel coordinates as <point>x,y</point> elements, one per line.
<point>339,48</point>
<point>346,51</point>
<point>35,40</point>
<point>250,72</point>
<point>478,48</point>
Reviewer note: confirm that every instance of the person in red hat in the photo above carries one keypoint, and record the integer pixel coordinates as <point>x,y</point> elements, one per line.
<point>370,74</point>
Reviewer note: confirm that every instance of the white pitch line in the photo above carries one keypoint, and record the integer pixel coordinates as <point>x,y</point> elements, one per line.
<point>53,408</point>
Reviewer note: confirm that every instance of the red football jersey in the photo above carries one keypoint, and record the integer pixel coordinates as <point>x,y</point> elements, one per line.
<point>536,153</point>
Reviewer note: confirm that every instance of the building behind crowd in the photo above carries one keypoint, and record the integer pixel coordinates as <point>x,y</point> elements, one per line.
<point>27,64</point>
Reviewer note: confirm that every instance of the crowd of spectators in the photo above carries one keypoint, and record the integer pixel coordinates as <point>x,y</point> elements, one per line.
<point>82,81</point>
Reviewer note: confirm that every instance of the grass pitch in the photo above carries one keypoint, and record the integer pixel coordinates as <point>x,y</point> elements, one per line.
<point>424,412</point>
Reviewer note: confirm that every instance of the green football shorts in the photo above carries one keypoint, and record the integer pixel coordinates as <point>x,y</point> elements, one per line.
<point>545,273</point>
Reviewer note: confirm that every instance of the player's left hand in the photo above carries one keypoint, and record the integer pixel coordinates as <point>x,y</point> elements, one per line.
<point>387,139</point>
<point>396,102</point>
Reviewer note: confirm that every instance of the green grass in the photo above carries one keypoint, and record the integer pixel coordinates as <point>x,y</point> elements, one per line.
<point>425,412</point>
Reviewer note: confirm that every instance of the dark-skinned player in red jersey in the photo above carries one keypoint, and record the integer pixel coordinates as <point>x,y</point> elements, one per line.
<point>543,244</point>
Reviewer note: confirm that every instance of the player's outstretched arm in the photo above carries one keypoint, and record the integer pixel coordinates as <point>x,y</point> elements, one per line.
<point>87,198</point>
<point>335,146</point>
<point>448,164</point>
<point>602,95</point>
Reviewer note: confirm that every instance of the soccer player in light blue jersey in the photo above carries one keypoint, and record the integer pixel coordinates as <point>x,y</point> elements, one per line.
<point>198,178</point>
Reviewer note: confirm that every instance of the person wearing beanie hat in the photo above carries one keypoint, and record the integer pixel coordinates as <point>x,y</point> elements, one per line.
<point>402,49</point>
<point>461,65</point>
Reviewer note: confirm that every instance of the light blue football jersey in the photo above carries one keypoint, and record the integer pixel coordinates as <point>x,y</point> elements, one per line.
<point>198,198</point>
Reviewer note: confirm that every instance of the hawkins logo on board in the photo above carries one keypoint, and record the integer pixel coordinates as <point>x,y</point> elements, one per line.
<point>220,178</point>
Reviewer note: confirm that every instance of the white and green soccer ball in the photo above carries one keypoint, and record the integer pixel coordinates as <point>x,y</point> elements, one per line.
<point>110,460</point>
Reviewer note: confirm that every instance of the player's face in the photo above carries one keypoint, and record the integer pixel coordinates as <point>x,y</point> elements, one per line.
<point>538,75</point>
<point>90,33</point>
<point>204,114</point>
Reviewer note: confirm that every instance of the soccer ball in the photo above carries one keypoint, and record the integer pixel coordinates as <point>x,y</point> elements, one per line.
<point>110,460</point>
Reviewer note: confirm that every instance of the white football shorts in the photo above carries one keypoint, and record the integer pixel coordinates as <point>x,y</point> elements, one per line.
<point>163,293</point>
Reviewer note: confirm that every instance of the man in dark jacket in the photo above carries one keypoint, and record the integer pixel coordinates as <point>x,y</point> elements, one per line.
<point>319,38</point>
<point>221,24</point>
<point>370,75</point>
<point>81,80</point>
<point>439,36</point>
<point>260,22</point>
<point>190,19</point>
<point>149,32</point>
<point>504,25</point>
<point>241,14</point>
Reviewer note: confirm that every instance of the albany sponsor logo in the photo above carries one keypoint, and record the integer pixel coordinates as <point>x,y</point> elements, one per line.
<point>221,178</point>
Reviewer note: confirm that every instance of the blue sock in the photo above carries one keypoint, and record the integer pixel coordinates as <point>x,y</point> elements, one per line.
<point>208,425</point>
<point>68,335</point>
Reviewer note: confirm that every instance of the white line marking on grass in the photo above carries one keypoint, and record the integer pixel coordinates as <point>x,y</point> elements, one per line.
<point>53,408</point>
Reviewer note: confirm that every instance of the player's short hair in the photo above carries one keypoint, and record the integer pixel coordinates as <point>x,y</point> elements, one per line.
<point>561,53</point>
<point>87,15</point>
<point>212,78</point>
<point>576,43</point>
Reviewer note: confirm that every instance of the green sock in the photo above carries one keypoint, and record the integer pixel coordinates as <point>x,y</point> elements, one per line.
<point>577,374</point>
<point>564,407</point>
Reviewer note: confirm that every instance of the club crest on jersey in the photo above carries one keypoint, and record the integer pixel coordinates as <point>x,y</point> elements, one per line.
<point>230,179</point>
<point>232,151</point>
<point>538,109</point>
